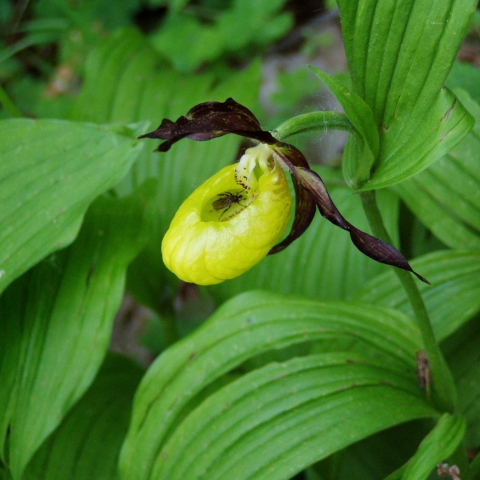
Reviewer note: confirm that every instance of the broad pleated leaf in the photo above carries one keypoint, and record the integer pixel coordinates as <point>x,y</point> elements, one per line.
<point>50,171</point>
<point>437,446</point>
<point>87,443</point>
<point>252,324</point>
<point>323,263</point>
<point>446,196</point>
<point>302,412</point>
<point>56,322</point>
<point>400,54</point>
<point>451,300</point>
<point>148,89</point>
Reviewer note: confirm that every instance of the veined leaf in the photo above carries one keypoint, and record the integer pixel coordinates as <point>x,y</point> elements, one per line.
<point>56,325</point>
<point>50,171</point>
<point>400,54</point>
<point>278,419</point>
<point>446,196</point>
<point>87,443</point>
<point>245,327</point>
<point>450,307</point>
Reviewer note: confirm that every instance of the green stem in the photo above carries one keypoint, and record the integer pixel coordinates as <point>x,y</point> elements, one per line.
<point>313,122</point>
<point>442,380</point>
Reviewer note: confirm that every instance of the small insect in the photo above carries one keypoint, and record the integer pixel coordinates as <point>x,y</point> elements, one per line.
<point>226,201</point>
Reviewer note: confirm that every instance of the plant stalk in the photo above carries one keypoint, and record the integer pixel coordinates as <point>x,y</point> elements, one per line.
<point>442,380</point>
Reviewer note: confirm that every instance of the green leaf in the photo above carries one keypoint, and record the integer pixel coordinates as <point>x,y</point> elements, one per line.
<point>451,300</point>
<point>50,171</point>
<point>174,41</point>
<point>87,443</point>
<point>249,23</point>
<point>127,57</point>
<point>302,413</point>
<point>322,263</point>
<point>437,446</point>
<point>445,197</point>
<point>245,327</point>
<point>400,54</point>
<point>82,16</point>
<point>232,31</point>
<point>56,324</point>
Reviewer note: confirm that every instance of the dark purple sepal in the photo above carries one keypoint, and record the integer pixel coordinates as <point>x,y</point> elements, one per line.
<point>314,184</point>
<point>373,247</point>
<point>381,251</point>
<point>210,120</point>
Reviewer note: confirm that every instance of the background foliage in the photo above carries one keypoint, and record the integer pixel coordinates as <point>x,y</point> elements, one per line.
<point>305,367</point>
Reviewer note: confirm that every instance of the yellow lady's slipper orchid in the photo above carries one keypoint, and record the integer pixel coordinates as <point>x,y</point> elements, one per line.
<point>225,227</point>
<point>234,219</point>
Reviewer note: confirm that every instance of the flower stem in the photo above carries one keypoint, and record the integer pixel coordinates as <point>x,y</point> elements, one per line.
<point>444,388</point>
<point>313,122</point>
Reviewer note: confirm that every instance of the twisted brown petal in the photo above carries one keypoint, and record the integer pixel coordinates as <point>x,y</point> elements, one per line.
<point>210,120</point>
<point>373,247</point>
<point>304,213</point>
